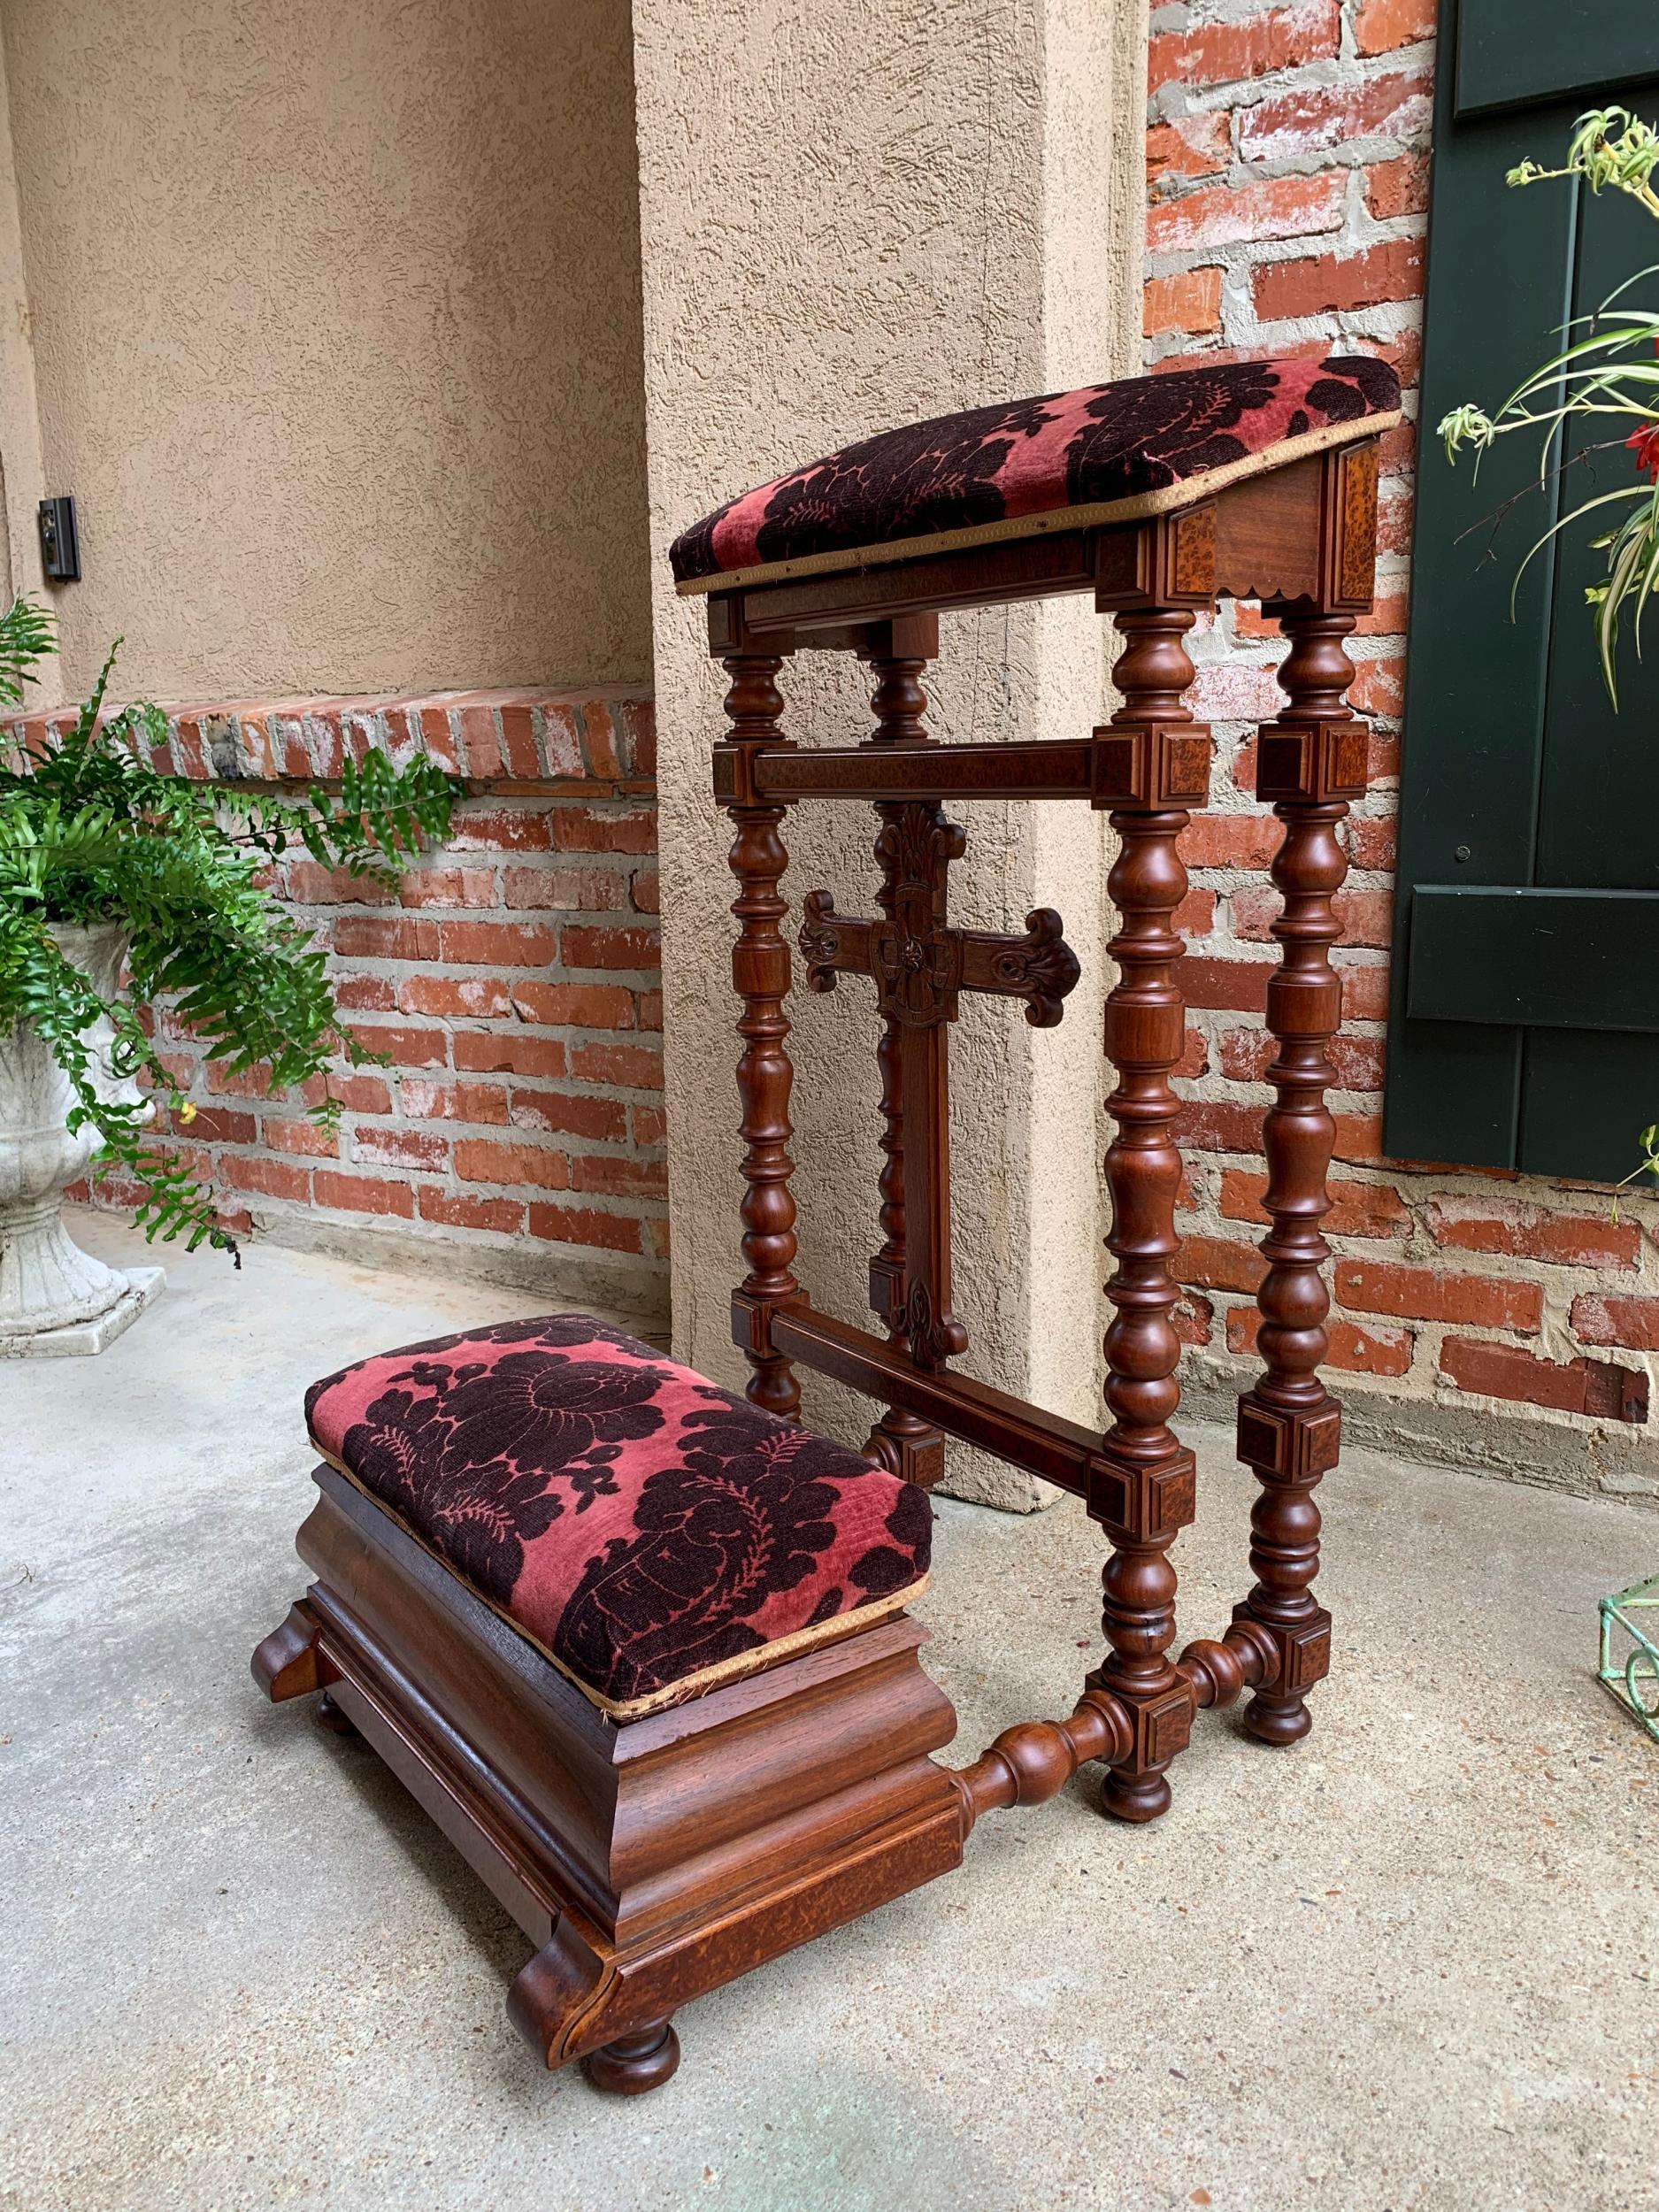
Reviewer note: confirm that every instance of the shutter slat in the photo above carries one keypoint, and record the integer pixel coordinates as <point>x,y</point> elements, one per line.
<point>1522,956</point>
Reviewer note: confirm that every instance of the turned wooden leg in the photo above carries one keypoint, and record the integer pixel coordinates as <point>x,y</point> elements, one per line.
<point>760,971</point>
<point>1143,1491</point>
<point>1311,761</point>
<point>634,2063</point>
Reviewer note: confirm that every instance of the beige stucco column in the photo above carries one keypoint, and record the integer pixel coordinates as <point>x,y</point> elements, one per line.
<point>855,213</point>
<point>22,475</point>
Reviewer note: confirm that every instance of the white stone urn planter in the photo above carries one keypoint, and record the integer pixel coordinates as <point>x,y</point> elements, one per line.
<point>55,1299</point>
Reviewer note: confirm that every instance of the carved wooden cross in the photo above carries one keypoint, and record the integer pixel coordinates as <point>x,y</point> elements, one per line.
<point>919,964</point>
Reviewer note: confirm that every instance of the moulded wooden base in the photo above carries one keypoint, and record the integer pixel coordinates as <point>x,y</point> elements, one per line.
<point>649,1861</point>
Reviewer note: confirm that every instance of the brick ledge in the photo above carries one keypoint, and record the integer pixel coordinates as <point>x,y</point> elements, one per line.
<point>595,743</point>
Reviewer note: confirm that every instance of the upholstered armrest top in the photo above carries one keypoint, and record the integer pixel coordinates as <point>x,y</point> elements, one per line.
<point>653,1534</point>
<point>1106,453</point>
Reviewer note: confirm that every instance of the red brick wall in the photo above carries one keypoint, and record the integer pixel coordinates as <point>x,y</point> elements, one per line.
<point>512,979</point>
<point>1287,182</point>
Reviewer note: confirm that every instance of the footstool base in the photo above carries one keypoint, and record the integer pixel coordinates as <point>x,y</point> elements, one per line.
<point>648,1860</point>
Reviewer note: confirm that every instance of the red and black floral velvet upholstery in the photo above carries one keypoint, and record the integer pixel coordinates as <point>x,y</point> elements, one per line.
<point>652,1534</point>
<point>1109,452</point>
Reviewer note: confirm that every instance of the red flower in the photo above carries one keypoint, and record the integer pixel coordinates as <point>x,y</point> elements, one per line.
<point>1644,443</point>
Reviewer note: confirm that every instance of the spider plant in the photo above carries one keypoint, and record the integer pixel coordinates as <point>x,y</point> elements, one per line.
<point>1607,374</point>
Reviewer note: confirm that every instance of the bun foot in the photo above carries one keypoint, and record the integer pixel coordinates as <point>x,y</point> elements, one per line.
<point>634,2063</point>
<point>1275,1721</point>
<point>333,1717</point>
<point>1135,1797</point>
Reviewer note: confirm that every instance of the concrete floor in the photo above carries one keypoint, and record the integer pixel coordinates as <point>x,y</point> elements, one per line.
<point>1411,1963</point>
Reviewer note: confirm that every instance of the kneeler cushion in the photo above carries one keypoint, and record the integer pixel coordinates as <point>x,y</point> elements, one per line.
<point>651,1534</point>
<point>1105,453</point>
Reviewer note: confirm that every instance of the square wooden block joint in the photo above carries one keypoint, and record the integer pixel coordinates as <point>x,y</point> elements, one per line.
<point>751,1320</point>
<point>921,1462</point>
<point>1324,761</point>
<point>1162,1725</point>
<point>1304,1651</point>
<point>886,1288</point>
<point>734,778</point>
<point>1294,1444</point>
<point>1144,1500</point>
<point>1150,764</point>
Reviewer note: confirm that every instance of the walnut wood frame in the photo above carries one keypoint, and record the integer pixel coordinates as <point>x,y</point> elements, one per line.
<point>654,1860</point>
<point>1302,540</point>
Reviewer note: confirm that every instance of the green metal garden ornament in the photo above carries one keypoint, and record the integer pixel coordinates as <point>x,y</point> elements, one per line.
<point>1630,1674</point>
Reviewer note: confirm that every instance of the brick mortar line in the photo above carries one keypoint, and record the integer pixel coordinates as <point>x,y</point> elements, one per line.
<point>1399,1247</point>
<point>631,1205</point>
<point>642,1205</point>
<point>572,1143</point>
<point>610,1093</point>
<point>1424,1367</point>
<point>1349,157</point>
<point>550,1201</point>
<point>1177,101</point>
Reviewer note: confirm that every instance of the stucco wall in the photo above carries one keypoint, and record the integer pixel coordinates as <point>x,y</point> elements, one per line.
<point>21,478</point>
<point>335,314</point>
<point>871,215</point>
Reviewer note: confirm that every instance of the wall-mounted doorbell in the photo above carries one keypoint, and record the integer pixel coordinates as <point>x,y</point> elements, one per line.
<point>60,542</point>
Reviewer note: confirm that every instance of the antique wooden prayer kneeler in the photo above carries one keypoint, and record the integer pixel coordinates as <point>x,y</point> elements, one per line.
<point>638,1649</point>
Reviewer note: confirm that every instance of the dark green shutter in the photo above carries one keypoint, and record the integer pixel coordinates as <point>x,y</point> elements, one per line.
<point>1523,1031</point>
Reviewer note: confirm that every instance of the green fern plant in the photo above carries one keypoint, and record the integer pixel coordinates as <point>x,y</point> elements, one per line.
<point>89,833</point>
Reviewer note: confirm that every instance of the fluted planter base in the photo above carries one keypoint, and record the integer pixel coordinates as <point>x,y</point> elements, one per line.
<point>55,1300</point>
